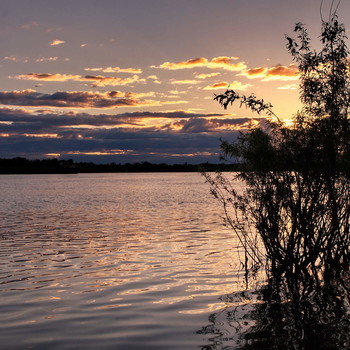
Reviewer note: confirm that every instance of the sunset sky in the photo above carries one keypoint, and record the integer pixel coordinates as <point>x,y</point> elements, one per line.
<point>134,80</point>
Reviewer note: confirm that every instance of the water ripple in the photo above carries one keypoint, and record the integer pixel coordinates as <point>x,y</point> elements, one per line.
<point>110,261</point>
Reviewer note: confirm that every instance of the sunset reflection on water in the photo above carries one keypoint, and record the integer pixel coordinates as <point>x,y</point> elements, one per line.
<point>146,254</point>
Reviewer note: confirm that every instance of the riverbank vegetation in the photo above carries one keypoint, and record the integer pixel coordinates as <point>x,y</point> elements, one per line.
<point>292,214</point>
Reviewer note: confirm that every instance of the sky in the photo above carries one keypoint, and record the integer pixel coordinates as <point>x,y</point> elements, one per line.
<point>134,80</point>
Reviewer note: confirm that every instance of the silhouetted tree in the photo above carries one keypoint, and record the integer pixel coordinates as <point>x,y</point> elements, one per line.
<point>292,214</point>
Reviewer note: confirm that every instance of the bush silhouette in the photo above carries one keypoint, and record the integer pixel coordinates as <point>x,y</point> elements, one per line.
<point>292,214</point>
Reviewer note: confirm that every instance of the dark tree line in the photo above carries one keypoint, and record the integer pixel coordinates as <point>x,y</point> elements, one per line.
<point>21,165</point>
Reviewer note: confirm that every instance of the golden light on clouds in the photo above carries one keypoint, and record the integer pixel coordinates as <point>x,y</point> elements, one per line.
<point>105,79</point>
<point>102,153</point>
<point>184,82</point>
<point>115,70</point>
<point>100,80</point>
<point>224,62</point>
<point>206,76</point>
<point>57,42</point>
<point>48,136</point>
<point>194,154</point>
<point>83,99</point>
<point>216,86</point>
<point>179,102</point>
<point>94,80</point>
<point>72,85</point>
<point>136,95</point>
<point>221,62</point>
<point>236,85</point>
<point>177,92</point>
<point>154,79</point>
<point>278,72</point>
<point>47,77</point>
<point>192,63</point>
<point>53,155</point>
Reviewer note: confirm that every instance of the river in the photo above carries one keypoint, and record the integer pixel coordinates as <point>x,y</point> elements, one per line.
<point>112,261</point>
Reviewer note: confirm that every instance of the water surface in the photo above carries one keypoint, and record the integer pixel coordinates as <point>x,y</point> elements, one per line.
<point>111,261</point>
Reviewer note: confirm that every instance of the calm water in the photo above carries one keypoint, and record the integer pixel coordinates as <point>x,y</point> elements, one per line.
<point>112,261</point>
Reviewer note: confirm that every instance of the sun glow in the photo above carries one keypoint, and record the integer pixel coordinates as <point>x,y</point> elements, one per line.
<point>102,153</point>
<point>49,136</point>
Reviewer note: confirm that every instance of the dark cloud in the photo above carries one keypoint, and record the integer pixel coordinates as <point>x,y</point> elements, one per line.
<point>174,114</point>
<point>74,99</point>
<point>138,146</point>
<point>195,125</point>
<point>19,121</point>
<point>126,137</point>
<point>94,80</point>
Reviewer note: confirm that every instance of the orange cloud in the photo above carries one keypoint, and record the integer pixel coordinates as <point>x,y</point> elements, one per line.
<point>224,62</point>
<point>46,136</point>
<point>94,80</point>
<point>102,153</point>
<point>221,62</point>
<point>54,155</point>
<point>99,80</point>
<point>57,42</point>
<point>179,102</point>
<point>47,77</point>
<point>197,62</point>
<point>206,76</point>
<point>154,78</point>
<point>216,86</point>
<point>115,70</point>
<point>177,92</point>
<point>283,71</point>
<point>256,72</point>
<point>278,72</point>
<point>236,85</point>
<point>184,82</point>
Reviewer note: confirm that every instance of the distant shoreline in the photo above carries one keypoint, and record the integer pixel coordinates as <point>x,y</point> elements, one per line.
<point>18,166</point>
